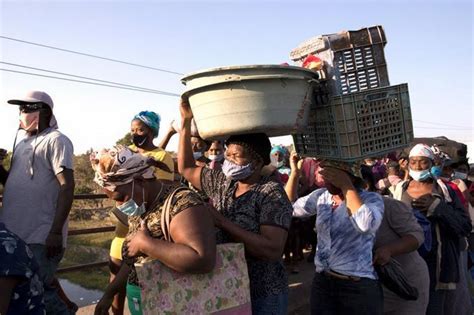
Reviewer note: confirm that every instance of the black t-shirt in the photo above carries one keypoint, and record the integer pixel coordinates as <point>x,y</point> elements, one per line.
<point>266,203</point>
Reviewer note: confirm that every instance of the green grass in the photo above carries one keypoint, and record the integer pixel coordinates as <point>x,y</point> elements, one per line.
<point>93,279</point>
<point>85,249</point>
<point>90,278</point>
<point>101,240</point>
<point>75,255</point>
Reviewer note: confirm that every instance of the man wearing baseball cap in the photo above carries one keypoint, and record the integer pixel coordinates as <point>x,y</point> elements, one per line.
<point>39,189</point>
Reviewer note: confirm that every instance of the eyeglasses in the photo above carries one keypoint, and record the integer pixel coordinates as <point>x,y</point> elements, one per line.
<point>30,108</point>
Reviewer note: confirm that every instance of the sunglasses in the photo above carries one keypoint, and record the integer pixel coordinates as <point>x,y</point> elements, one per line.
<point>30,108</point>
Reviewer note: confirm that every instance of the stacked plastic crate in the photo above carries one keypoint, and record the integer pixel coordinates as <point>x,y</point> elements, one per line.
<point>355,112</point>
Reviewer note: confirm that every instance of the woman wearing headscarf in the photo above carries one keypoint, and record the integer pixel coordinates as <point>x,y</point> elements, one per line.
<point>144,128</point>
<point>347,218</point>
<point>279,158</point>
<point>449,224</point>
<point>249,208</point>
<point>216,154</point>
<point>387,185</point>
<point>445,169</point>
<point>127,178</point>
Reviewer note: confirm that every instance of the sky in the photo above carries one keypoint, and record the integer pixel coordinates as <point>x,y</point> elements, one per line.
<point>429,47</point>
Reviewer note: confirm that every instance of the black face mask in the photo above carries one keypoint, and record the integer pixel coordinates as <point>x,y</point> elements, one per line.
<point>139,140</point>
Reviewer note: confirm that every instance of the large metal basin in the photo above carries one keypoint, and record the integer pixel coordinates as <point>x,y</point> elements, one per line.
<point>273,99</point>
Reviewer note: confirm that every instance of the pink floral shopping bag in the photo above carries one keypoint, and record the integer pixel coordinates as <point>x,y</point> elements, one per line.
<point>225,290</point>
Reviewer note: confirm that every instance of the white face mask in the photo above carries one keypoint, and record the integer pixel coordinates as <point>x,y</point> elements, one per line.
<point>216,157</point>
<point>276,163</point>
<point>29,121</point>
<point>420,176</point>
<point>279,164</point>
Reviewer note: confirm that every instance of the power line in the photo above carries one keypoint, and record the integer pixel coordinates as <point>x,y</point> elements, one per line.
<point>455,137</point>
<point>441,124</point>
<point>81,77</point>
<point>90,55</point>
<point>91,83</point>
<point>457,129</point>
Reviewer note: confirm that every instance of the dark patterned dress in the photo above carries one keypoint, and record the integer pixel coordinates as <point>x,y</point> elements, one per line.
<point>266,203</point>
<point>16,260</point>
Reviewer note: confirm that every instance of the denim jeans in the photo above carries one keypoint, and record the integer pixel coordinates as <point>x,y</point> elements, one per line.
<point>330,296</point>
<point>47,268</point>
<point>271,305</point>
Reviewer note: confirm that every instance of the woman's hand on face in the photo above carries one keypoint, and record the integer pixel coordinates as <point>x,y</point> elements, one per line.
<point>135,243</point>
<point>403,164</point>
<point>336,177</point>
<point>185,108</point>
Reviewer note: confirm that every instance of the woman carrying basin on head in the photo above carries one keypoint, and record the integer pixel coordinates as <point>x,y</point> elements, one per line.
<point>249,208</point>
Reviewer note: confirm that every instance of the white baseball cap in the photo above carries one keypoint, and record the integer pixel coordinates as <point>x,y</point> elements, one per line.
<point>37,97</point>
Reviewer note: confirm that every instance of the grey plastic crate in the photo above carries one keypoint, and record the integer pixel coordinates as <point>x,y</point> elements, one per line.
<point>358,125</point>
<point>359,69</point>
<point>354,60</point>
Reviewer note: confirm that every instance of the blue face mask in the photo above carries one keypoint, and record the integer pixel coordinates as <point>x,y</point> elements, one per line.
<point>437,171</point>
<point>235,171</point>
<point>130,207</point>
<point>420,176</point>
<point>459,175</point>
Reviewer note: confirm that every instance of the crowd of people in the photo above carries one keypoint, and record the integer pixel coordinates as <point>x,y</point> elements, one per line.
<point>391,234</point>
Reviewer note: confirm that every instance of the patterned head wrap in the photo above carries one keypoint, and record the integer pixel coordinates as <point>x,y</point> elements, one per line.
<point>119,166</point>
<point>151,119</point>
<point>422,150</point>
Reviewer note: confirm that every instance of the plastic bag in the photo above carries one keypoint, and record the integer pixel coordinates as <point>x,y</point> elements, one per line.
<point>391,275</point>
<point>312,62</point>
